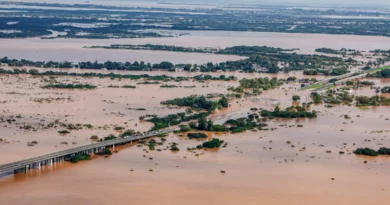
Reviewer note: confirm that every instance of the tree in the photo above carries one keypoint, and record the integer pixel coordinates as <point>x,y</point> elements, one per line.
<point>210,125</point>
<point>296,97</point>
<point>202,123</point>
<point>224,102</point>
<point>187,67</point>
<point>33,72</point>
<point>166,65</point>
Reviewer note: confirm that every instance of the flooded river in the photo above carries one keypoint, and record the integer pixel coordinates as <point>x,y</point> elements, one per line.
<point>72,49</point>
<point>260,167</point>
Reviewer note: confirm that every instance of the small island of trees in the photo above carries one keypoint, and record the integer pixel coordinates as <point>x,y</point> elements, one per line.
<point>290,112</point>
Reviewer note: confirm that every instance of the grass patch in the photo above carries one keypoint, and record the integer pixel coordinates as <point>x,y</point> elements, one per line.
<point>316,86</point>
<point>378,69</point>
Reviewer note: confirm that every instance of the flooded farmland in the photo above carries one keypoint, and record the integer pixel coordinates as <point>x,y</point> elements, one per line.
<point>259,167</point>
<point>72,49</point>
<point>268,127</point>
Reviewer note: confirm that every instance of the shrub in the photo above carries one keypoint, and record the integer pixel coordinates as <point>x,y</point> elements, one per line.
<point>196,135</point>
<point>384,151</point>
<point>63,132</point>
<point>296,97</point>
<point>105,151</point>
<point>213,143</point>
<point>94,137</point>
<point>79,157</point>
<point>366,151</point>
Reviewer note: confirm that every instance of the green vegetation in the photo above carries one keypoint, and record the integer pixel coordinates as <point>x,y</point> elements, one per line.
<point>384,151</point>
<point>120,21</point>
<point>202,123</point>
<point>174,148</point>
<point>329,51</point>
<point>105,151</point>
<point>119,128</point>
<point>138,109</point>
<point>257,84</point>
<point>63,132</point>
<point>357,83</point>
<point>197,102</point>
<point>152,47</point>
<point>385,89</point>
<point>94,137</point>
<point>109,137</point>
<point>264,61</point>
<point>371,152</point>
<point>317,98</point>
<point>109,65</point>
<point>296,98</point>
<point>197,135</point>
<point>245,123</point>
<point>338,71</point>
<point>310,72</point>
<point>173,119</point>
<point>333,80</point>
<point>337,97</point>
<point>214,143</point>
<point>70,86</point>
<point>129,86</point>
<point>185,128</point>
<point>78,157</point>
<point>223,102</point>
<point>371,101</point>
<point>126,133</point>
<point>382,72</point>
<point>251,50</point>
<point>169,86</point>
<point>146,77</point>
<point>329,72</point>
<point>290,112</point>
<point>316,86</point>
<point>210,77</point>
<point>366,151</point>
<point>148,83</point>
<point>342,51</point>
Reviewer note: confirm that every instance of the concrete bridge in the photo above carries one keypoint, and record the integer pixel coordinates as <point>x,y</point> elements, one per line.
<point>50,159</point>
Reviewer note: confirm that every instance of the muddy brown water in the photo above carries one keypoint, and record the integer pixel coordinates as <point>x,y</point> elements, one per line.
<point>261,167</point>
<point>72,49</point>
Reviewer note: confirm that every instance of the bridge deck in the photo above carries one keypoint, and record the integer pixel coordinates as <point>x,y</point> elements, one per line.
<point>10,167</point>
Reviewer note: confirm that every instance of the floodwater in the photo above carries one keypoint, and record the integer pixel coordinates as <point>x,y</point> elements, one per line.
<point>72,49</point>
<point>147,4</point>
<point>284,165</point>
<point>237,74</point>
<point>261,167</point>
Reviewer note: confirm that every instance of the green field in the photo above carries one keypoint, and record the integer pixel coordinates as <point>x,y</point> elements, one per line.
<point>316,86</point>
<point>378,69</point>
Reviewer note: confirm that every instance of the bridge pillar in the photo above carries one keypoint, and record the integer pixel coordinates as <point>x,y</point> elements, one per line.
<point>26,168</point>
<point>50,162</point>
<point>39,165</point>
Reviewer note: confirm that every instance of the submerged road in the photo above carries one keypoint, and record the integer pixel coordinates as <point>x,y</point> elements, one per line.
<point>49,159</point>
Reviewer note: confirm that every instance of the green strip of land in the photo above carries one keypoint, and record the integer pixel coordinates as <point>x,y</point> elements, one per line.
<point>378,69</point>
